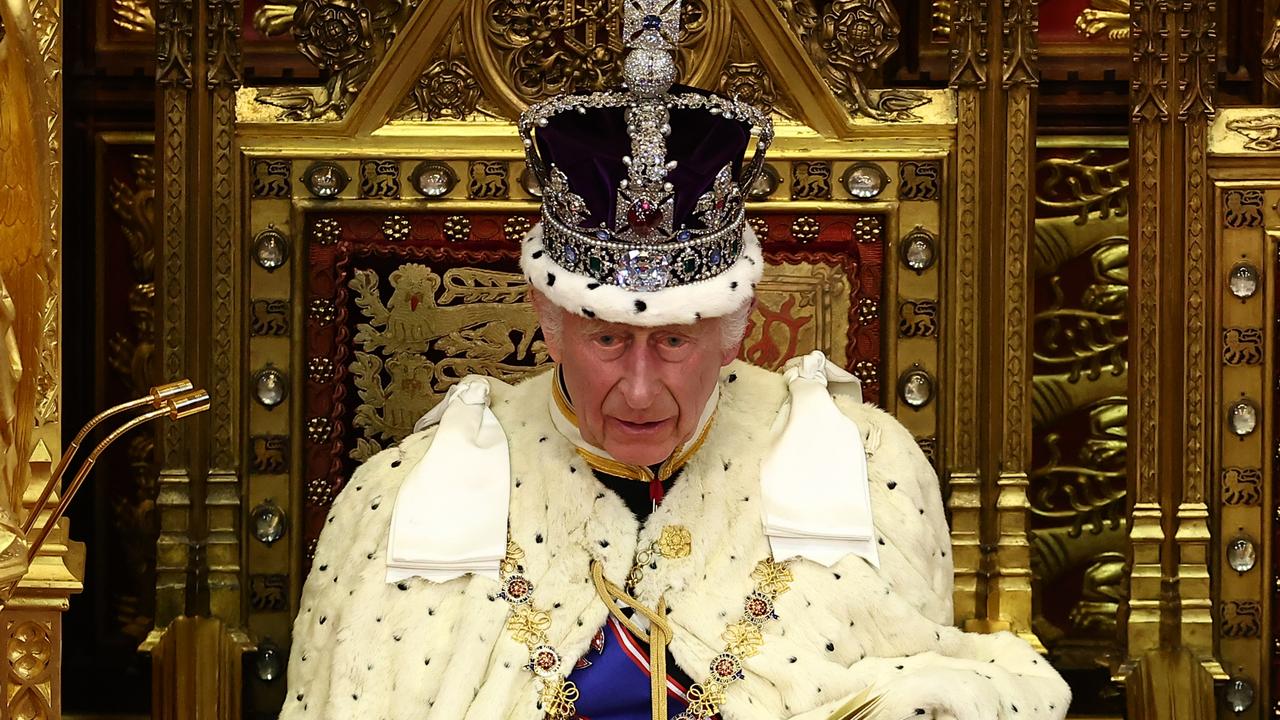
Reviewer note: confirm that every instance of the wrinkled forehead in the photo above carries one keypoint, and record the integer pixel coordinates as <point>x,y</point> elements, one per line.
<point>592,326</point>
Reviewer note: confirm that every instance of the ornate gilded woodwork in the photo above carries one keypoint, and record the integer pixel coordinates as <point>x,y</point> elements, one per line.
<point>1240,347</point>
<point>1211,201</point>
<point>448,88</point>
<point>848,40</point>
<point>344,38</point>
<point>127,243</point>
<point>1078,479</point>
<point>199,59</point>
<point>30,370</point>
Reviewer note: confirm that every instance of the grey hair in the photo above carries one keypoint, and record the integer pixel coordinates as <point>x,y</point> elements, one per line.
<point>733,327</point>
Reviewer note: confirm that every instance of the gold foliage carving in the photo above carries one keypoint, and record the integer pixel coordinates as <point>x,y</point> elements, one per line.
<point>1107,19</point>
<point>1261,133</point>
<point>848,40</point>
<point>448,88</point>
<point>21,191</point>
<point>744,77</point>
<point>345,38</point>
<point>468,317</point>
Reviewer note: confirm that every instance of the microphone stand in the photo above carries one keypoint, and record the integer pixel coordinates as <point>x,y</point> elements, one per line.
<point>176,400</point>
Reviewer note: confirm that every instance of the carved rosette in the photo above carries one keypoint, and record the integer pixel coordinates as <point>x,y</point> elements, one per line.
<point>346,38</point>
<point>848,40</point>
<point>333,35</point>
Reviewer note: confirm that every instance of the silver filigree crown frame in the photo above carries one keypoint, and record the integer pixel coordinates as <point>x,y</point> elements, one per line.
<point>645,251</point>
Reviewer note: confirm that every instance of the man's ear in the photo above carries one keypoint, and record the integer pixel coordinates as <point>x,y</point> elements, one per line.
<point>551,321</point>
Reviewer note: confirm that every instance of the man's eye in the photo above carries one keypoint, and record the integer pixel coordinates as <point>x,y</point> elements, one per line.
<point>607,340</point>
<point>674,341</point>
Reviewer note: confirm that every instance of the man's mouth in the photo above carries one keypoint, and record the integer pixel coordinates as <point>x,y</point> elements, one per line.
<point>640,426</point>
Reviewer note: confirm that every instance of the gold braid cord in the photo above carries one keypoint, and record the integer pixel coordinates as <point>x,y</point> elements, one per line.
<point>743,638</point>
<point>658,636</point>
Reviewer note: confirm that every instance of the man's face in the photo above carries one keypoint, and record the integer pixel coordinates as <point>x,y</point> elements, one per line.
<point>638,392</point>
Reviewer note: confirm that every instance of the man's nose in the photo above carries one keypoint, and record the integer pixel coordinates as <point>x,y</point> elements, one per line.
<point>640,385</point>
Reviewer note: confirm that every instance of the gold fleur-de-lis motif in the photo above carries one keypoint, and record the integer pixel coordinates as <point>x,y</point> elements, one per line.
<point>772,578</point>
<point>675,542</point>
<point>512,561</point>
<point>559,699</point>
<point>743,639</point>
<point>528,625</point>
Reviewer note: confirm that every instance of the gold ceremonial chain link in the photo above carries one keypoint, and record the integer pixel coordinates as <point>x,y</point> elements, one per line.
<point>674,543</point>
<point>557,696</point>
<point>743,639</point>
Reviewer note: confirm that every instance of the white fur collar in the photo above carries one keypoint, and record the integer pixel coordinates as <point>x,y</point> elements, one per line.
<point>680,305</point>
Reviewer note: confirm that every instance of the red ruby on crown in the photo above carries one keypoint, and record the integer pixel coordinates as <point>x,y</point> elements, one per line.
<point>644,217</point>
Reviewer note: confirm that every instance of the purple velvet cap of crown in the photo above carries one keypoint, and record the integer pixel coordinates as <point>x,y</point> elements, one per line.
<point>588,148</point>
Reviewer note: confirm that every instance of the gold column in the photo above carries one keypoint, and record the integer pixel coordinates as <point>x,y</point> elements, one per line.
<point>1009,599</point>
<point>1169,627</point>
<point>990,316</point>
<point>199,68</point>
<point>969,59</point>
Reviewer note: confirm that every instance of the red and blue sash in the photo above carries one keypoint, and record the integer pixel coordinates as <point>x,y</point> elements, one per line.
<point>613,679</point>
